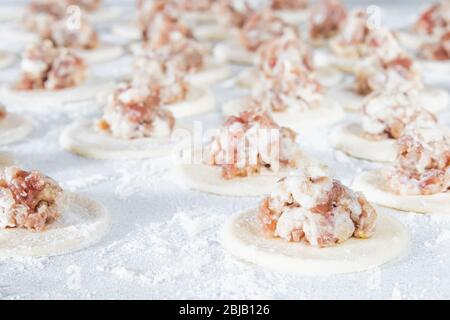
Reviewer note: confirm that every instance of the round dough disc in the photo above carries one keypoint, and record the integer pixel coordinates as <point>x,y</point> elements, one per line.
<point>104,53</point>
<point>81,138</point>
<point>212,73</point>
<point>327,76</point>
<point>372,184</point>
<point>104,14</point>
<point>329,113</point>
<point>82,224</point>
<point>323,58</point>
<point>350,139</point>
<point>199,101</point>
<point>209,179</point>
<point>6,59</point>
<point>234,53</point>
<point>127,31</point>
<point>432,99</point>
<point>243,238</point>
<point>55,100</point>
<point>293,16</point>
<point>14,128</point>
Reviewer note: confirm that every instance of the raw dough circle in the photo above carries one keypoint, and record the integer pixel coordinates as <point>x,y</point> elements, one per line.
<point>6,59</point>
<point>14,128</point>
<point>104,53</point>
<point>127,31</point>
<point>326,76</point>
<point>212,73</point>
<point>324,58</point>
<point>199,101</point>
<point>234,53</point>
<point>81,138</point>
<point>432,99</point>
<point>83,223</point>
<point>372,184</point>
<point>104,14</point>
<point>209,179</point>
<point>55,100</point>
<point>243,238</point>
<point>329,113</point>
<point>293,16</point>
<point>350,139</point>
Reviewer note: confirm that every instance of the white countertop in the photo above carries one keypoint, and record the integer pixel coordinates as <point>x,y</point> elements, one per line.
<point>164,244</point>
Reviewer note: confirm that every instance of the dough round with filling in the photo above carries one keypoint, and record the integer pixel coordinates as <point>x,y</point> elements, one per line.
<point>199,101</point>
<point>209,179</point>
<point>328,113</point>
<point>104,53</point>
<point>432,99</point>
<point>81,138</point>
<point>372,184</point>
<point>350,139</point>
<point>326,76</point>
<point>6,59</point>
<point>82,224</point>
<point>55,100</point>
<point>243,238</point>
<point>14,128</point>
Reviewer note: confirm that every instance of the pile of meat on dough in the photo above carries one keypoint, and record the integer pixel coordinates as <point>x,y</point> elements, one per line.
<point>293,87</point>
<point>261,27</point>
<point>45,66</point>
<point>434,21</point>
<point>273,55</point>
<point>134,112</point>
<point>161,75</point>
<point>423,162</point>
<point>233,14</point>
<point>251,143</point>
<point>439,51</point>
<point>387,114</point>
<point>49,21</point>
<point>29,200</point>
<point>327,19</point>
<point>387,65</point>
<point>312,207</point>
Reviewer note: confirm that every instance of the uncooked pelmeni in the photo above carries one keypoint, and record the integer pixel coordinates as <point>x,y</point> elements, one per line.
<point>350,139</point>
<point>199,101</point>
<point>243,237</point>
<point>209,179</point>
<point>328,113</point>
<point>432,99</point>
<point>82,224</point>
<point>54,100</point>
<point>104,53</point>
<point>7,59</point>
<point>14,128</point>
<point>81,138</point>
<point>327,76</point>
<point>373,185</point>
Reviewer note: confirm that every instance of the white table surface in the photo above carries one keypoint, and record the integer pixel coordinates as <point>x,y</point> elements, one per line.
<point>164,243</point>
